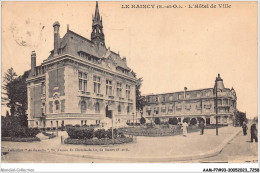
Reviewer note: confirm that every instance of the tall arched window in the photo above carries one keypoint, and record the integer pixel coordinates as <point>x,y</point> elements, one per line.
<point>83,107</point>
<point>97,107</point>
<point>57,105</point>
<point>119,109</point>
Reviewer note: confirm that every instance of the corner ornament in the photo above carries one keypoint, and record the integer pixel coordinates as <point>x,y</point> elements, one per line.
<point>56,95</point>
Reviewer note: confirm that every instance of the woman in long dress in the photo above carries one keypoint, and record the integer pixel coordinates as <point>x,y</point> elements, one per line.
<point>184,128</point>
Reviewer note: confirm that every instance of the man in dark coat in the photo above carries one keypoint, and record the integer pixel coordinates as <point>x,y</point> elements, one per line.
<point>202,126</point>
<point>244,126</point>
<point>253,131</point>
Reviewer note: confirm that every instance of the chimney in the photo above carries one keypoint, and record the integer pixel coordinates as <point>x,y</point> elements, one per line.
<point>185,89</point>
<point>33,62</point>
<point>56,27</point>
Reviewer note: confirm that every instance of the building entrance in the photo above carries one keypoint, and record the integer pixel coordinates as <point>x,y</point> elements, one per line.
<point>207,121</point>
<point>108,112</point>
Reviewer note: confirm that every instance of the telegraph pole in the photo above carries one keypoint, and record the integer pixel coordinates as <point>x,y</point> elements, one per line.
<point>133,119</point>
<point>216,106</point>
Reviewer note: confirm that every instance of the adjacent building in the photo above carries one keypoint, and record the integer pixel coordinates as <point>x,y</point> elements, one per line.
<point>80,82</point>
<point>196,104</point>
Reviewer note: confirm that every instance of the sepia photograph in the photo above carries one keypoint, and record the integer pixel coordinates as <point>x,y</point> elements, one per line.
<point>129,82</point>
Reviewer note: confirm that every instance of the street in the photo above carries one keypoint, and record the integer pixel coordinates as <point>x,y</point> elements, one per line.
<point>240,149</point>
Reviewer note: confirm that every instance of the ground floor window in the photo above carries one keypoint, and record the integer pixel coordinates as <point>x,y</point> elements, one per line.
<point>119,109</point>
<point>83,107</point>
<point>224,119</point>
<point>97,107</point>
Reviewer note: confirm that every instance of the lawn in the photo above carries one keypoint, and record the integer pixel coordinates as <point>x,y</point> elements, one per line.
<point>157,130</point>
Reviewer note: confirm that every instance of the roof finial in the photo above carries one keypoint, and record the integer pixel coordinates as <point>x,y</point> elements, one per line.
<point>68,27</point>
<point>97,16</point>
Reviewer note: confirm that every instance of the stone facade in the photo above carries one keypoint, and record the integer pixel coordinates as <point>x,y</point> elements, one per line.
<point>80,82</point>
<point>193,104</point>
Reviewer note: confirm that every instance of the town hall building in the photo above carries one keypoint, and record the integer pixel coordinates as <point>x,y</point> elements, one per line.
<point>80,82</point>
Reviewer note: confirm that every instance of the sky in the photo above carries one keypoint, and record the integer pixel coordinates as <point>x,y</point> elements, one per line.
<point>169,48</point>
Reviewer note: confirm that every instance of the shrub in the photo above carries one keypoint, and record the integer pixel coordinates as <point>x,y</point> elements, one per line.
<point>97,141</point>
<point>80,133</point>
<point>193,121</point>
<point>100,133</point>
<point>68,126</point>
<point>109,133</point>
<point>142,120</point>
<point>187,120</point>
<point>200,119</point>
<point>19,132</point>
<point>150,125</point>
<point>77,125</point>
<point>164,123</point>
<point>31,132</point>
<point>173,121</point>
<point>157,120</point>
<point>121,135</point>
<point>5,132</point>
<point>28,139</point>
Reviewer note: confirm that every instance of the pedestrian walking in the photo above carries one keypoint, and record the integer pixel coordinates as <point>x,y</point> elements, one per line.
<point>184,128</point>
<point>244,127</point>
<point>253,131</point>
<point>202,126</point>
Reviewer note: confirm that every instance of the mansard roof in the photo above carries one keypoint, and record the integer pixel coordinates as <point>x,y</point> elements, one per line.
<point>189,91</point>
<point>73,43</point>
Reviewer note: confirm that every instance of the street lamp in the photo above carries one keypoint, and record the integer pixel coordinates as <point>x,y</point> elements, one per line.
<point>112,128</point>
<point>136,117</point>
<point>133,119</point>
